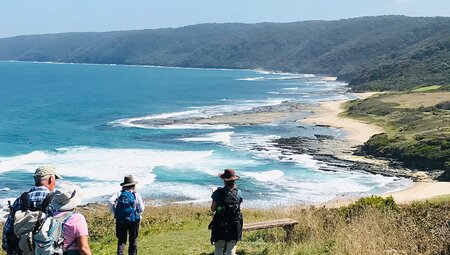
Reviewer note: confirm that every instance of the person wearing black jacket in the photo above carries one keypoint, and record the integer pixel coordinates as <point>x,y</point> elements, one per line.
<point>226,226</point>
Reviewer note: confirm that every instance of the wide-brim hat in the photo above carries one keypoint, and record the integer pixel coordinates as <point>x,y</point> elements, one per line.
<point>128,181</point>
<point>67,197</point>
<point>229,175</point>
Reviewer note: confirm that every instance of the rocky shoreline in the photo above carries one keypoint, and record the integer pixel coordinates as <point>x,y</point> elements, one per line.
<point>255,116</point>
<point>338,155</point>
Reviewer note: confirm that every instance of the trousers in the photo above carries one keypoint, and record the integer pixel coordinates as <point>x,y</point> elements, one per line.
<point>222,247</point>
<point>126,229</point>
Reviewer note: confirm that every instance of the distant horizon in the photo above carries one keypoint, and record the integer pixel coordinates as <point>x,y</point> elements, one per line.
<point>52,16</point>
<point>247,23</point>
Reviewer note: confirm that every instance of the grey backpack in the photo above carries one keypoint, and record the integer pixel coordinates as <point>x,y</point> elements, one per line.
<point>39,233</point>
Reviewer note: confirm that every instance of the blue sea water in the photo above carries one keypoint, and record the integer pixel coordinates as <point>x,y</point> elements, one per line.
<point>87,121</point>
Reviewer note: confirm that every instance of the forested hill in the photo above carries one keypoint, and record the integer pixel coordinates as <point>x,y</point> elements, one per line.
<point>385,52</point>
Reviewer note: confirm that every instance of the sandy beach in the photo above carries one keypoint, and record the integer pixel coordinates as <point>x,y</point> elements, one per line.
<point>359,132</point>
<point>421,191</point>
<point>328,114</point>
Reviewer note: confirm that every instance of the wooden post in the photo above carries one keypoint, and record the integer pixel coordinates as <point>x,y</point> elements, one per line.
<point>289,229</point>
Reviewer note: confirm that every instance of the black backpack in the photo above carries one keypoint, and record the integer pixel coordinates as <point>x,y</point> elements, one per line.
<point>227,221</point>
<point>231,205</point>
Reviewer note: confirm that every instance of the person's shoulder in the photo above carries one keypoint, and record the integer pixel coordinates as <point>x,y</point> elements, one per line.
<point>217,194</point>
<point>218,191</point>
<point>76,216</point>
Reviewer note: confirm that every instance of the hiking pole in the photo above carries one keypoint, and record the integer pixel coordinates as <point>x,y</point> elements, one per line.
<point>10,206</point>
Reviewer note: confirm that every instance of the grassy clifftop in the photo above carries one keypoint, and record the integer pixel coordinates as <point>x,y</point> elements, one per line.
<point>416,123</point>
<point>370,226</point>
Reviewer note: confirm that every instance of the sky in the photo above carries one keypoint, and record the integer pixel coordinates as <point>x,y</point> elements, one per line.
<point>19,17</point>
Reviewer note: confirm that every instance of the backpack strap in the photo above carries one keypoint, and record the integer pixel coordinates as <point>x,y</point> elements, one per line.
<point>48,199</point>
<point>67,218</point>
<point>25,201</point>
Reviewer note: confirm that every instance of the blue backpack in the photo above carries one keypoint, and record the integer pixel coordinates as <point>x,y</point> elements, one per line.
<point>125,209</point>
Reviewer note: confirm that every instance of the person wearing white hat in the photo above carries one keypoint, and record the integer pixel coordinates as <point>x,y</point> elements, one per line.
<point>38,196</point>
<point>67,198</point>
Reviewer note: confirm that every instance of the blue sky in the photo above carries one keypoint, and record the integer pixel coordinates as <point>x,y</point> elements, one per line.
<point>19,17</point>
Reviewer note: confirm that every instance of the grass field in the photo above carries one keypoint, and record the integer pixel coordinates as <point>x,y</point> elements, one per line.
<point>416,100</point>
<point>427,88</point>
<point>370,226</point>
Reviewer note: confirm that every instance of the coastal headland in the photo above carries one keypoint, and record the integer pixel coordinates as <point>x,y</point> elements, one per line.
<point>330,113</point>
<point>340,152</point>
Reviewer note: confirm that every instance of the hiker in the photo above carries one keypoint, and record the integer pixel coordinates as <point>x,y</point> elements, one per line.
<point>75,228</point>
<point>38,198</point>
<point>226,226</point>
<point>127,206</point>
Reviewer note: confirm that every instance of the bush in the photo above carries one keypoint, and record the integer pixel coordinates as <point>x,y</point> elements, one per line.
<point>357,208</point>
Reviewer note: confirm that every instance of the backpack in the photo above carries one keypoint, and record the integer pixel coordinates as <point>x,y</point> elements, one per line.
<point>37,232</point>
<point>231,205</point>
<point>227,221</point>
<point>125,209</point>
<point>50,237</point>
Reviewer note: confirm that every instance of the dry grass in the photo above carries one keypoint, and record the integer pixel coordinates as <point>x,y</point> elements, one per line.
<point>415,100</point>
<point>421,228</point>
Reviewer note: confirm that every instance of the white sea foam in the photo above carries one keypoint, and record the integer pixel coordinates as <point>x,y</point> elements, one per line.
<point>98,171</point>
<point>219,137</point>
<point>189,192</point>
<point>165,120</point>
<point>281,77</point>
<point>292,92</point>
<point>103,168</point>
<point>284,73</point>
<point>125,123</point>
<point>263,147</point>
<point>267,176</point>
<point>8,163</point>
<point>251,79</point>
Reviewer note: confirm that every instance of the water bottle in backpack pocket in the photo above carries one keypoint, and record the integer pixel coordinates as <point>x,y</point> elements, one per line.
<point>125,209</point>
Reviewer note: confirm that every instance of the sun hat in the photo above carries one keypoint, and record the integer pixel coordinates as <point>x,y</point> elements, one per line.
<point>229,175</point>
<point>45,171</point>
<point>67,197</point>
<point>128,180</point>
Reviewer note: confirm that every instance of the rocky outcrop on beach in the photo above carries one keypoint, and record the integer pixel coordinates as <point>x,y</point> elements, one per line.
<point>255,116</point>
<point>338,156</point>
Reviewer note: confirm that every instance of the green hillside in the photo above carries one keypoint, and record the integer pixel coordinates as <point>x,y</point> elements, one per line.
<point>416,124</point>
<point>385,52</point>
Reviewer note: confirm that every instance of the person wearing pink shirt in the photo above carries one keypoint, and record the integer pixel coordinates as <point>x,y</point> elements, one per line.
<point>75,228</point>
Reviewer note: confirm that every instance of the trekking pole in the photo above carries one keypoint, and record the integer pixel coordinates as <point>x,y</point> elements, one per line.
<point>10,206</point>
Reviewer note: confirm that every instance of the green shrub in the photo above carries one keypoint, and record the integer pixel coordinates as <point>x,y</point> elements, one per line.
<point>355,209</point>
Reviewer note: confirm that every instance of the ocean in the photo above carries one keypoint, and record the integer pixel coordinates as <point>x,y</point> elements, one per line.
<point>91,123</point>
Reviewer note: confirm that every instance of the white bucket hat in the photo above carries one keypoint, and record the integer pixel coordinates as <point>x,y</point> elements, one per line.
<point>67,197</point>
